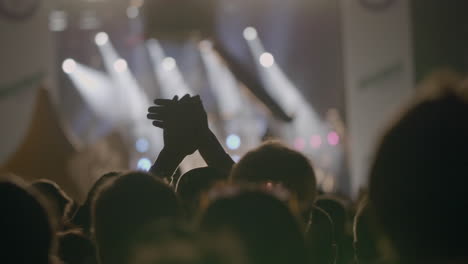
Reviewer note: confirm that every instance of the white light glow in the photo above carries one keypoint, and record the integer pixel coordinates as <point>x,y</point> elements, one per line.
<point>120,65</point>
<point>169,64</point>
<point>144,164</point>
<point>250,33</point>
<point>233,142</point>
<point>69,66</point>
<point>267,60</point>
<point>132,12</point>
<point>142,145</point>
<point>101,38</point>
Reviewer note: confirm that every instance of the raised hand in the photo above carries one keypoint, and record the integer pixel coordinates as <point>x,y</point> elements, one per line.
<point>185,123</point>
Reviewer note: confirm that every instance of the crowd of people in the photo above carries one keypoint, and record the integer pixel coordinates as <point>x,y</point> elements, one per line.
<point>264,209</point>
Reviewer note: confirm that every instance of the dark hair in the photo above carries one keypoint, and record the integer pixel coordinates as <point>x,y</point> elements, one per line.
<point>27,235</point>
<point>173,242</point>
<point>418,178</point>
<point>82,218</point>
<point>275,162</point>
<point>194,182</point>
<point>76,248</point>
<point>320,237</point>
<point>264,224</point>
<point>58,199</point>
<point>367,235</point>
<point>128,202</point>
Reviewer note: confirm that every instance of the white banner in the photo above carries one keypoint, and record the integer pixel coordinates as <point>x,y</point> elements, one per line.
<point>378,73</point>
<point>26,60</point>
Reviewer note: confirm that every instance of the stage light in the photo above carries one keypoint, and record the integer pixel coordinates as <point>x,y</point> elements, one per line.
<point>236,158</point>
<point>267,60</point>
<point>144,164</point>
<point>333,138</point>
<point>250,33</point>
<point>69,66</point>
<point>133,12</point>
<point>101,38</point>
<point>233,141</point>
<point>205,45</point>
<point>299,144</point>
<point>142,145</point>
<point>168,63</point>
<point>57,21</point>
<point>120,65</point>
<point>316,141</point>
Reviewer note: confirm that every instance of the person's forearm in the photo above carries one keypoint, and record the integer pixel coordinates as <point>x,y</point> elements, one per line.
<point>166,164</point>
<point>214,154</point>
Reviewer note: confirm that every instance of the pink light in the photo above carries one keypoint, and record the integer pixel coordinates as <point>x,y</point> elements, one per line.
<point>316,141</point>
<point>299,144</point>
<point>333,138</point>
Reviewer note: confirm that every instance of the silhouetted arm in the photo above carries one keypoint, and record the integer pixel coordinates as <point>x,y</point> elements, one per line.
<point>167,114</point>
<point>214,154</point>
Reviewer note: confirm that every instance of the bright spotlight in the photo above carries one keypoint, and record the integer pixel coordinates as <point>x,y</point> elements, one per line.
<point>333,138</point>
<point>69,66</point>
<point>267,60</point>
<point>205,45</point>
<point>142,145</point>
<point>132,12</point>
<point>101,38</point>
<point>236,158</point>
<point>144,164</point>
<point>250,33</point>
<point>316,141</point>
<point>120,65</point>
<point>168,63</point>
<point>233,142</point>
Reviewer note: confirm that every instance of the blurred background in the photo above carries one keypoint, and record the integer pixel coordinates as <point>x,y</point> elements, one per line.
<point>323,76</point>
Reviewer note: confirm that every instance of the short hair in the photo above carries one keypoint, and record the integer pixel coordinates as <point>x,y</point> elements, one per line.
<point>263,224</point>
<point>173,242</point>
<point>273,161</point>
<point>194,183</point>
<point>76,248</point>
<point>367,235</point>
<point>82,217</point>
<point>28,233</point>
<point>418,178</point>
<point>320,237</point>
<point>129,202</point>
<point>336,209</point>
<point>50,190</point>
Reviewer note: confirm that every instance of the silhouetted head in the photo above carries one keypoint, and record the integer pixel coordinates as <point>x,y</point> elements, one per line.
<point>27,234</point>
<point>265,225</point>
<point>369,240</point>
<point>76,248</point>
<point>194,183</point>
<point>57,199</point>
<point>274,162</point>
<point>127,203</point>
<point>337,212</point>
<point>179,19</point>
<point>320,237</point>
<point>418,179</point>
<point>173,243</point>
<point>82,218</point>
